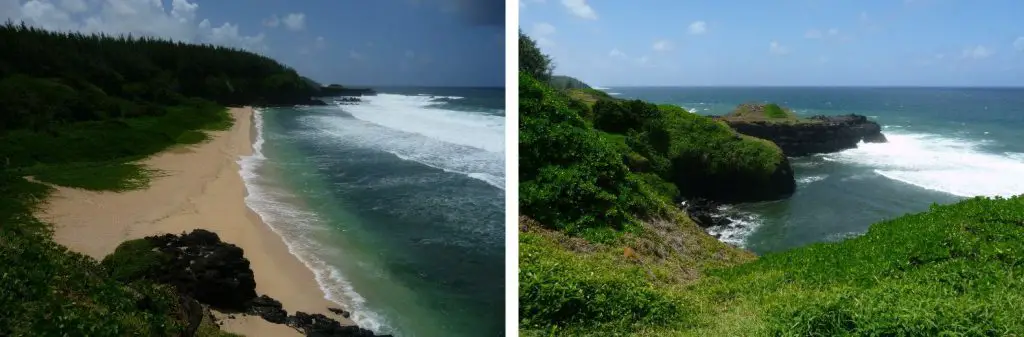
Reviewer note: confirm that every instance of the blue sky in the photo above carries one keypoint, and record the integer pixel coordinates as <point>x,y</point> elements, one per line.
<point>355,42</point>
<point>782,42</point>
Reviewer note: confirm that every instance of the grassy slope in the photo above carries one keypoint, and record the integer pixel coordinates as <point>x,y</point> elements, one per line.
<point>954,270</point>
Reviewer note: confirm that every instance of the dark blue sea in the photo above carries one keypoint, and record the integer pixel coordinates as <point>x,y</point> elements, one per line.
<point>396,203</point>
<point>945,144</point>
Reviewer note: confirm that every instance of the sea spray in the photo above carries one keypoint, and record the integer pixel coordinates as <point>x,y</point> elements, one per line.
<point>948,164</point>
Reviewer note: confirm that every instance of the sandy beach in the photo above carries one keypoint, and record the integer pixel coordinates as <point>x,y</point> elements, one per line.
<point>200,187</point>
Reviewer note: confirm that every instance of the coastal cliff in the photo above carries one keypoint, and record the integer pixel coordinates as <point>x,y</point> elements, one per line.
<point>804,136</point>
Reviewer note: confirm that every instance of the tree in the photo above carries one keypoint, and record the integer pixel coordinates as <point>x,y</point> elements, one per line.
<point>532,61</point>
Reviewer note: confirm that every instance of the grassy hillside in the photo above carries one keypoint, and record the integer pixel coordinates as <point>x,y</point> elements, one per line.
<point>602,253</point>
<point>563,82</point>
<point>77,111</point>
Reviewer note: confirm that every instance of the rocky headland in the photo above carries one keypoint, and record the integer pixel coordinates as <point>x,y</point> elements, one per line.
<point>803,136</point>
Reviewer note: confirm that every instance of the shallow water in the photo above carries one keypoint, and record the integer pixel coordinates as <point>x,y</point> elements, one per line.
<point>396,203</point>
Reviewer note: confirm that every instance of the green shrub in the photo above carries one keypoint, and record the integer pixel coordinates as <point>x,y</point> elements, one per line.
<point>133,260</point>
<point>571,177</point>
<point>575,293</point>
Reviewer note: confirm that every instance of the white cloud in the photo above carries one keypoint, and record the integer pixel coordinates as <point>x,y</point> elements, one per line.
<point>662,45</point>
<point>642,60</point>
<point>616,53</point>
<point>580,8</point>
<point>543,28</point>
<point>833,31</point>
<point>320,43</point>
<point>1018,44</point>
<point>697,28</point>
<point>136,17</point>
<point>354,55</point>
<point>294,21</point>
<point>977,52</point>
<point>227,34</point>
<point>777,49</point>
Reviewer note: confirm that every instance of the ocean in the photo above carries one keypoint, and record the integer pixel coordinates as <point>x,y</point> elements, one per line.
<point>396,203</point>
<point>945,144</point>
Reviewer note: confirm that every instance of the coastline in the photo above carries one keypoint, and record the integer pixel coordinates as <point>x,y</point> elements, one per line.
<point>200,186</point>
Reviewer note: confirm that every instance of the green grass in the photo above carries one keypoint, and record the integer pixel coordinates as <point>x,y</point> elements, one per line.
<point>111,176</point>
<point>768,112</point>
<point>952,271</point>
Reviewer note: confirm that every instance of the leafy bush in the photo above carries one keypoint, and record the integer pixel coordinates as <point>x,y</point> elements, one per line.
<point>133,260</point>
<point>571,177</point>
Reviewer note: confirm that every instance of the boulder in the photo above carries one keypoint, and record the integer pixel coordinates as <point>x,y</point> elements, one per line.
<point>268,308</point>
<point>323,326</point>
<point>197,264</point>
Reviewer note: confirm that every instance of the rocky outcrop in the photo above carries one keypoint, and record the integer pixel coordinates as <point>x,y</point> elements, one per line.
<point>818,134</point>
<point>338,90</point>
<point>205,270</point>
<point>309,324</point>
<point>197,264</point>
<point>704,212</point>
<point>323,326</point>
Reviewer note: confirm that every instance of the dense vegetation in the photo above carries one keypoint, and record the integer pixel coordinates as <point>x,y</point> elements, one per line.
<point>562,82</point>
<point>952,271</point>
<point>78,111</point>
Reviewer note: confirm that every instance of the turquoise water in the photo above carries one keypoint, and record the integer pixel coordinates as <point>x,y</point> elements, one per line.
<point>945,144</point>
<point>396,204</point>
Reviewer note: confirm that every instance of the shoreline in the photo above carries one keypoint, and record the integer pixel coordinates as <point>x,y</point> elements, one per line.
<point>201,187</point>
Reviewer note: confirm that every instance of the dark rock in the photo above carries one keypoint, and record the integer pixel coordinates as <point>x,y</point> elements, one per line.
<point>268,308</point>
<point>323,326</point>
<point>317,102</point>
<point>705,213</point>
<point>191,313</point>
<point>819,134</point>
<point>339,90</point>
<point>200,266</point>
<point>340,311</point>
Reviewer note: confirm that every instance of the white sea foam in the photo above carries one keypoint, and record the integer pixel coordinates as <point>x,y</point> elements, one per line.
<point>941,163</point>
<point>810,179</point>
<point>741,225</point>
<point>298,230</point>
<point>614,93</point>
<point>413,114</point>
<point>410,127</point>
